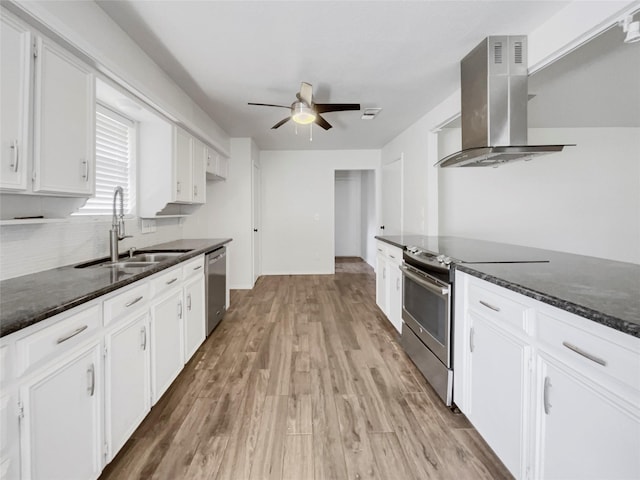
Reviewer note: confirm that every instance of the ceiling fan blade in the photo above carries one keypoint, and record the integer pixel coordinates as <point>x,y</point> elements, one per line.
<point>322,122</point>
<point>306,93</point>
<point>335,107</point>
<point>269,105</point>
<point>280,123</point>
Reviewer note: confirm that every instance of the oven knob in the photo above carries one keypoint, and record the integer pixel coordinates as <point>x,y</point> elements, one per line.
<point>446,260</point>
<point>440,258</point>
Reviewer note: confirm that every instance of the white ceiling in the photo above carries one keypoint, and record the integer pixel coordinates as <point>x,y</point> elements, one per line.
<point>401,56</point>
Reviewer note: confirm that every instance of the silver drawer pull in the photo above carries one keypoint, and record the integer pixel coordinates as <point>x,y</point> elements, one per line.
<point>172,281</point>
<point>143,334</point>
<point>72,334</point>
<point>579,351</point>
<point>133,302</point>
<point>488,305</point>
<point>198,267</point>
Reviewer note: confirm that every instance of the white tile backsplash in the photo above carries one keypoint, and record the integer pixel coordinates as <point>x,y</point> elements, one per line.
<point>32,248</point>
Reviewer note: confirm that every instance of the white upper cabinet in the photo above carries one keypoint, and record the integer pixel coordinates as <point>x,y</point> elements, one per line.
<point>182,164</point>
<point>15,81</point>
<point>217,166</point>
<point>64,123</point>
<point>200,152</point>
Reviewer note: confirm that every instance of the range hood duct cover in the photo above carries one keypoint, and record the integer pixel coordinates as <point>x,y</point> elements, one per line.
<point>494,85</point>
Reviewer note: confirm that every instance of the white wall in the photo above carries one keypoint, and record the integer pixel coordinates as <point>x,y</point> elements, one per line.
<point>227,213</point>
<point>369,220</point>
<point>33,248</point>
<point>585,200</point>
<point>348,213</point>
<point>298,207</point>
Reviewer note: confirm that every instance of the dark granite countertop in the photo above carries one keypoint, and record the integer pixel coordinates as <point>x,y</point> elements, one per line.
<point>601,290</point>
<point>32,298</point>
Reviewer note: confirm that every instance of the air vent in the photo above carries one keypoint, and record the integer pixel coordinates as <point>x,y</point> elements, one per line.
<point>497,53</point>
<point>518,52</point>
<point>370,113</point>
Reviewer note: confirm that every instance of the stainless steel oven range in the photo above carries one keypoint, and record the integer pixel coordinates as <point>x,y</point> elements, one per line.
<point>426,314</point>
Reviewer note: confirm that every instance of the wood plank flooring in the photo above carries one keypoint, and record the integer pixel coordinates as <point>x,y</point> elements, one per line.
<point>304,379</point>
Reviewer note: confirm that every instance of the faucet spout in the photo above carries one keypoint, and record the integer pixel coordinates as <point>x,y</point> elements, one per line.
<point>117,224</point>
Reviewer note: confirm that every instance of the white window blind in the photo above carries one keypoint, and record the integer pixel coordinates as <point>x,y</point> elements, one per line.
<point>114,162</point>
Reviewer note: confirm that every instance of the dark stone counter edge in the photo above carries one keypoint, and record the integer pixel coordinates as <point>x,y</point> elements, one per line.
<point>16,326</point>
<point>598,317</point>
<point>390,242</point>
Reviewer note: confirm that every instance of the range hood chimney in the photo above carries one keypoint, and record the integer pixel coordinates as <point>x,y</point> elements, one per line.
<point>494,85</point>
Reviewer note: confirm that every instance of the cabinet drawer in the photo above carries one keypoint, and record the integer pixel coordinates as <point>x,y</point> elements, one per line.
<point>497,307</point>
<point>394,254</point>
<point>57,338</point>
<point>166,281</point>
<point>193,267</point>
<point>381,247</point>
<point>126,302</point>
<point>596,349</point>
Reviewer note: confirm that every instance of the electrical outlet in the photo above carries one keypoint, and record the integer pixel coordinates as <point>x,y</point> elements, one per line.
<point>147,225</point>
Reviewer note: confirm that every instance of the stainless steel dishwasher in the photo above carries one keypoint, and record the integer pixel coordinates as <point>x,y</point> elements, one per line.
<point>216,263</point>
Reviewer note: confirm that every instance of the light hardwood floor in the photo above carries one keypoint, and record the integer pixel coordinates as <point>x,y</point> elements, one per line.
<point>304,379</point>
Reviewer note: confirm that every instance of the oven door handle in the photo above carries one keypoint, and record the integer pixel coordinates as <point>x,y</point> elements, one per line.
<point>423,282</point>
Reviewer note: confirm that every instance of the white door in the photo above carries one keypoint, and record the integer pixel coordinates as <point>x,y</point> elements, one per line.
<point>64,123</point>
<point>167,357</point>
<point>586,432</point>
<point>200,153</point>
<point>382,283</point>
<point>498,363</point>
<point>128,380</point>
<point>15,64</point>
<point>182,163</point>
<point>392,195</point>
<point>194,318</point>
<point>60,432</point>
<point>256,213</point>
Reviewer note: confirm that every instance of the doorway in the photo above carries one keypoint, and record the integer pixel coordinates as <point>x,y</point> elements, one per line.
<point>355,214</point>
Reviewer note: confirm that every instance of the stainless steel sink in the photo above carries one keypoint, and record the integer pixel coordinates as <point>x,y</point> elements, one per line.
<point>139,261</point>
<point>152,257</point>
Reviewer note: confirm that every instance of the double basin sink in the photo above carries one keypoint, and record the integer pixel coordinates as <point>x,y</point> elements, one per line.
<point>138,262</point>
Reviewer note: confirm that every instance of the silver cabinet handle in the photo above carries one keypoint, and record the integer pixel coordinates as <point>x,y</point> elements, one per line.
<point>91,373</point>
<point>172,281</point>
<point>198,267</point>
<point>180,309</point>
<point>398,284</point>
<point>384,273</point>
<point>64,338</point>
<point>545,395</point>
<point>488,305</point>
<point>86,170</point>
<point>392,256</point>
<point>189,302</point>
<point>133,302</point>
<point>195,190</point>
<point>472,345</point>
<point>178,187</point>
<point>579,351</point>
<point>143,333</point>
<point>16,156</point>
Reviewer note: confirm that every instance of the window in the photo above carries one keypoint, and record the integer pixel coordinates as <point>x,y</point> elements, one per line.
<point>115,146</point>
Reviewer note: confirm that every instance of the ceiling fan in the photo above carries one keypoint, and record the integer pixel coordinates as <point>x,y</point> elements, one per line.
<point>304,111</point>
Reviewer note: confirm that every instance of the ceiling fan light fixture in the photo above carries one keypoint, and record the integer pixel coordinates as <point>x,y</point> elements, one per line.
<point>303,114</point>
<point>631,28</point>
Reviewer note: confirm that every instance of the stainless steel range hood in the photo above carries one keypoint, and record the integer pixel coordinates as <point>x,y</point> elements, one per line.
<point>494,105</point>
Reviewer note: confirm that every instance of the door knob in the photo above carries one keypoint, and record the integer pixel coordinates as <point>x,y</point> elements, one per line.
<point>255,229</point>
<point>381,227</point>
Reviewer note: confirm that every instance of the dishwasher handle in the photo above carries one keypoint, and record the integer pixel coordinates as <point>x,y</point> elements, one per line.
<point>217,257</point>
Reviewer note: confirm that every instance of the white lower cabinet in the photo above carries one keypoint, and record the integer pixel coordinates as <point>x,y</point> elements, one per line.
<point>586,432</point>
<point>194,318</point>
<point>61,428</point>
<point>167,357</point>
<point>389,282</point>
<point>556,396</point>
<point>127,379</point>
<point>9,433</point>
<point>498,378</point>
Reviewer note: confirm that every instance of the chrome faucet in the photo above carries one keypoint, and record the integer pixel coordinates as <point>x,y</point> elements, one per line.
<point>117,225</point>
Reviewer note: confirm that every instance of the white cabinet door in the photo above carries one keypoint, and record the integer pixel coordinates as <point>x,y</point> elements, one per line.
<point>15,80</point>
<point>128,376</point>
<point>498,395</point>
<point>182,163</point>
<point>167,358</point>
<point>61,429</point>
<point>194,319</point>
<point>199,173</point>
<point>395,295</point>
<point>587,433</point>
<point>9,435</point>
<point>382,283</point>
<point>64,123</point>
